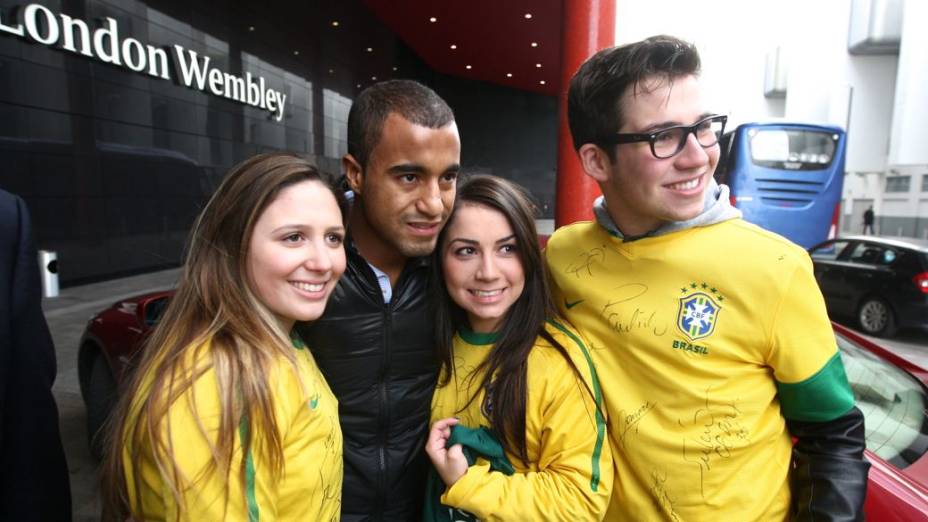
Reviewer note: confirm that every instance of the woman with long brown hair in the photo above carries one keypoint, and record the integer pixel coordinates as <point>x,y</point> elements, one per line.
<point>227,416</point>
<point>518,429</point>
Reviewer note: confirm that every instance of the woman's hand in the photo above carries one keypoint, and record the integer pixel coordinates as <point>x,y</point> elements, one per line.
<point>450,463</point>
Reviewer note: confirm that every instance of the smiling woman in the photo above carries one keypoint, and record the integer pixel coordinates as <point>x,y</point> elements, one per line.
<point>228,416</point>
<point>510,364</point>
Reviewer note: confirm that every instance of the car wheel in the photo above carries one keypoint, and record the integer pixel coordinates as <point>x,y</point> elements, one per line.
<point>100,398</point>
<point>875,317</point>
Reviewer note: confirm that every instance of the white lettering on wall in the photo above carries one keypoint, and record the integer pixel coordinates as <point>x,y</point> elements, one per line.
<point>41,25</point>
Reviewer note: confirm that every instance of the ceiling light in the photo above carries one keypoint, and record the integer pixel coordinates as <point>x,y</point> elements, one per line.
<point>538,65</point>
<point>334,23</point>
<point>296,53</point>
<point>374,78</point>
<point>433,19</point>
<point>394,69</point>
<point>542,82</point>
<point>528,16</point>
<point>468,67</point>
<point>454,46</point>
<point>251,28</point>
<point>534,44</point>
<point>508,75</point>
<point>331,71</point>
<point>370,49</point>
<point>358,86</point>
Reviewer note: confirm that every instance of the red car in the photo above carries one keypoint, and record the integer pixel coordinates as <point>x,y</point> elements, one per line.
<point>890,391</point>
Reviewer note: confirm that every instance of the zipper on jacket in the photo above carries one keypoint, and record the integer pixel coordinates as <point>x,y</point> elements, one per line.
<point>384,409</point>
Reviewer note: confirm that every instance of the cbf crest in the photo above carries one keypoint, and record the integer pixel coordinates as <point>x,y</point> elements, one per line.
<point>699,311</point>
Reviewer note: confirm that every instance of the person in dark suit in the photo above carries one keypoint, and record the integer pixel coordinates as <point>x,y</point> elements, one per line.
<point>33,472</point>
<point>868,220</point>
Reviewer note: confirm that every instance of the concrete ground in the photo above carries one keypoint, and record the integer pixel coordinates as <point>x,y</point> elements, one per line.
<point>66,316</point>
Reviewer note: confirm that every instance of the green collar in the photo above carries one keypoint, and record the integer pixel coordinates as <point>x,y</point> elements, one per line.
<point>476,338</point>
<point>297,340</point>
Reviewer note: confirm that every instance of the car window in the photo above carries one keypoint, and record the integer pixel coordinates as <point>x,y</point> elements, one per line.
<point>893,403</point>
<point>872,254</point>
<point>829,251</point>
<point>154,309</point>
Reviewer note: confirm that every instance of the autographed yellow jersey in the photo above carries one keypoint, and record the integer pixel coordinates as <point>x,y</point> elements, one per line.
<point>570,470</point>
<point>704,339</point>
<point>307,415</point>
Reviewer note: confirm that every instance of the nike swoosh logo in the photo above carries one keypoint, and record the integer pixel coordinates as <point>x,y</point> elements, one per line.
<point>573,304</point>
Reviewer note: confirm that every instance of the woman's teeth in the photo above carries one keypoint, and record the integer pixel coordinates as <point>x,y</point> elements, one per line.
<point>309,287</point>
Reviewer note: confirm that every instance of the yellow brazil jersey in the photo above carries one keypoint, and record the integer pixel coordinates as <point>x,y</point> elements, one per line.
<point>307,416</point>
<point>704,339</point>
<point>570,470</point>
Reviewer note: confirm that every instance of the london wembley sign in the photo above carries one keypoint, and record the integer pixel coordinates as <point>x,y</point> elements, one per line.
<point>38,23</point>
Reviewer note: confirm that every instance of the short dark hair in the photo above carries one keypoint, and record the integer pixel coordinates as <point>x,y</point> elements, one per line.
<point>593,98</point>
<point>413,101</point>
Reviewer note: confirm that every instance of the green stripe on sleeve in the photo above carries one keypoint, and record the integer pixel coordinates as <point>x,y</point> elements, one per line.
<point>598,398</point>
<point>250,497</point>
<point>823,397</point>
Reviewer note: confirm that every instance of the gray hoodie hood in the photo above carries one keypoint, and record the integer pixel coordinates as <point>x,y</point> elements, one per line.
<point>715,210</point>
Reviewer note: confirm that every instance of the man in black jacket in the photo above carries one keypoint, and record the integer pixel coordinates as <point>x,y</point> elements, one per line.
<point>33,473</point>
<point>374,344</point>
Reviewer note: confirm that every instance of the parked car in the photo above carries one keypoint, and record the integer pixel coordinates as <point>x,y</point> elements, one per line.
<point>880,281</point>
<point>890,391</point>
<point>106,355</point>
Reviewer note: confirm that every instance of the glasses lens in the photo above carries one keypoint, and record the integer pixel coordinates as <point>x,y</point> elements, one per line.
<point>708,132</point>
<point>668,142</point>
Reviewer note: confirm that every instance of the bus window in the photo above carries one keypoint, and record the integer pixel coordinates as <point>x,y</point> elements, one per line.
<point>792,149</point>
<point>829,251</point>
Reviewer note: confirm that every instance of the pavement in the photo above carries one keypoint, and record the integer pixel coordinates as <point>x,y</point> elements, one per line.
<point>66,316</point>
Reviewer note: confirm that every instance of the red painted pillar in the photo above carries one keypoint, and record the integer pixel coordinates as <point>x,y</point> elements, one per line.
<point>588,26</point>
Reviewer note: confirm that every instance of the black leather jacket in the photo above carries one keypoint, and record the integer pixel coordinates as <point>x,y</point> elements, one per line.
<point>379,361</point>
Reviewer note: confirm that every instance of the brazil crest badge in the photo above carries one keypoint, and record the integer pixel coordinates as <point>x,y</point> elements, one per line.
<point>698,315</point>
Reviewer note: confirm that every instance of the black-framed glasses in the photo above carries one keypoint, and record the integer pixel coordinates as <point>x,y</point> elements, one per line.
<point>666,143</point>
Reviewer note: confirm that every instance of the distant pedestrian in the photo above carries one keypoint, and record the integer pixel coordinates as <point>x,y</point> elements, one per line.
<point>33,472</point>
<point>868,220</point>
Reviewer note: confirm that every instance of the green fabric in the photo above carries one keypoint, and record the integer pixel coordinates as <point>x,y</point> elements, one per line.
<point>597,397</point>
<point>477,338</point>
<point>823,397</point>
<point>475,442</point>
<point>250,497</point>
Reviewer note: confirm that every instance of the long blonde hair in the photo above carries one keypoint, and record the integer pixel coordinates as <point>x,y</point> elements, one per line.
<point>214,302</point>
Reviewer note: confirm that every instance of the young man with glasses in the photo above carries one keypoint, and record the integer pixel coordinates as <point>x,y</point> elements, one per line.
<point>709,334</point>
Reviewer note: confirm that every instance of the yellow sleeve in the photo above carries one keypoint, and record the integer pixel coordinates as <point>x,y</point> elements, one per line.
<point>574,473</point>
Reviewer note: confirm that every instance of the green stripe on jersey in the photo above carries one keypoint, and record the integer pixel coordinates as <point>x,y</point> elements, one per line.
<point>823,397</point>
<point>250,497</point>
<point>597,397</point>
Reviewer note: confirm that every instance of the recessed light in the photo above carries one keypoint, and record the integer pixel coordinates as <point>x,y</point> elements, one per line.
<point>542,82</point>
<point>251,28</point>
<point>358,86</point>
<point>534,44</point>
<point>538,65</point>
<point>334,23</point>
<point>508,75</point>
<point>374,78</point>
<point>454,46</point>
<point>528,16</point>
<point>394,69</point>
<point>468,67</point>
<point>433,19</point>
<point>296,53</point>
<point>331,71</point>
<point>370,49</point>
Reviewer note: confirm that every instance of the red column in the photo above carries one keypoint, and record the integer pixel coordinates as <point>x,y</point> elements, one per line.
<point>588,26</point>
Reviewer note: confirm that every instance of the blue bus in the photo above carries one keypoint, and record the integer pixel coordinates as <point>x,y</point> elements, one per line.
<point>786,177</point>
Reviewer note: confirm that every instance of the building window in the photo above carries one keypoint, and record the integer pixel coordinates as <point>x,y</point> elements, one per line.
<point>924,182</point>
<point>898,183</point>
